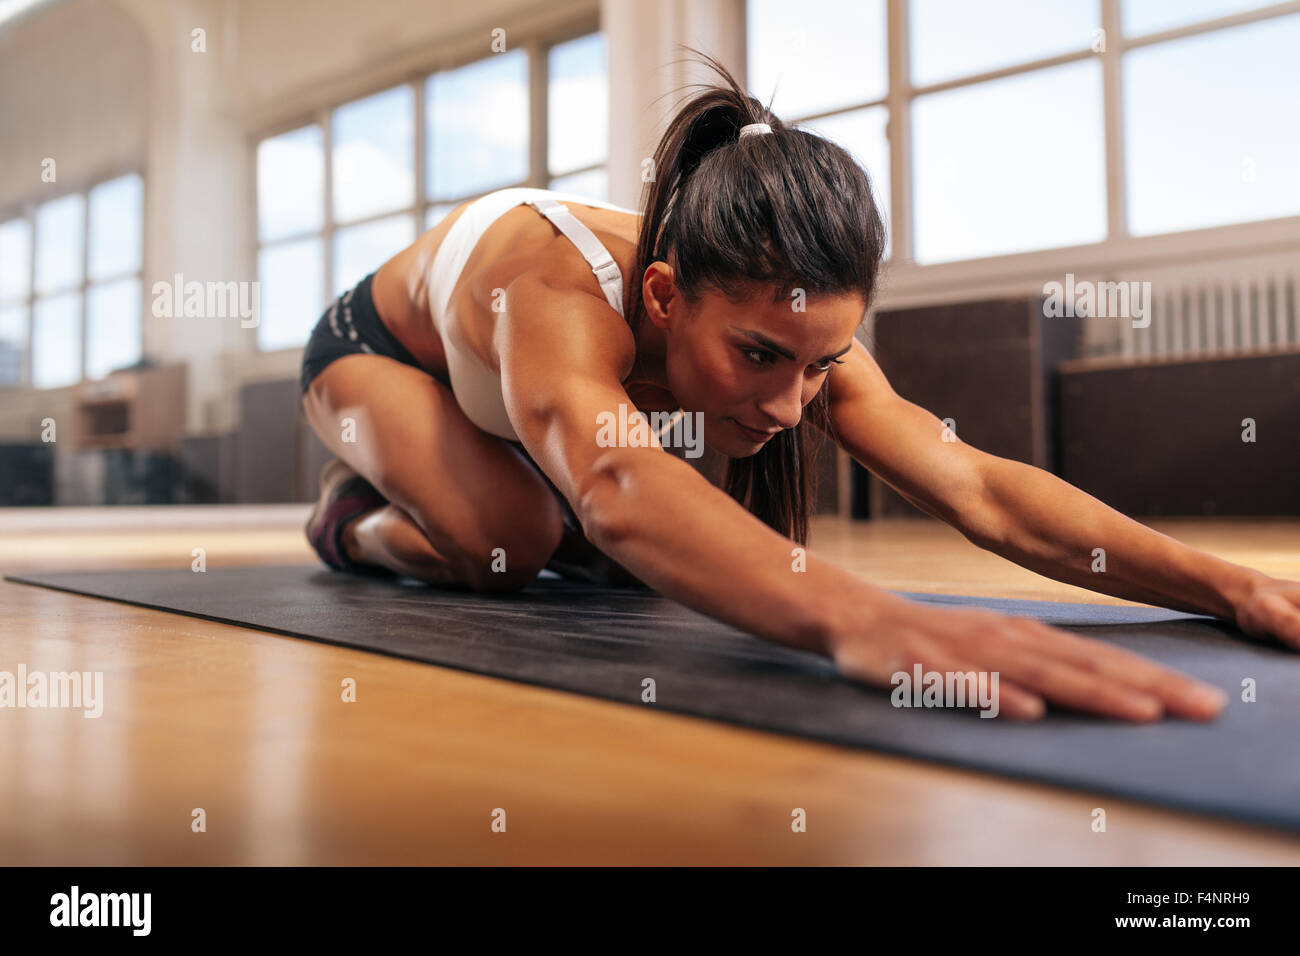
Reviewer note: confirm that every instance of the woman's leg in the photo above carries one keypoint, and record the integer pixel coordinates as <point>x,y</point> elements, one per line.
<point>456,493</point>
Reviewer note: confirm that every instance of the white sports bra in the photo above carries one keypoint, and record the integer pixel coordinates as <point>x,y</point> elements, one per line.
<point>476,386</point>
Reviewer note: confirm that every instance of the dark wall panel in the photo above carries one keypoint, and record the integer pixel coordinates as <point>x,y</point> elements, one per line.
<point>988,366</point>
<point>266,447</point>
<point>1166,439</point>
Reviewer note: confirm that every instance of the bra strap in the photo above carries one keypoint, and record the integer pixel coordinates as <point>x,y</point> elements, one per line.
<point>601,262</point>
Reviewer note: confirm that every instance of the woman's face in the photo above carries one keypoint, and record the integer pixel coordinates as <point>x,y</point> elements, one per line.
<point>750,367</point>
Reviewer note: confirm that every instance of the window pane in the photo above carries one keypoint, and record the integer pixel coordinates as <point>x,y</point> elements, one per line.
<point>374,154</point>
<point>816,55</point>
<point>1010,165</point>
<point>578,110</point>
<point>60,232</point>
<point>13,339</point>
<point>434,214</point>
<point>15,259</point>
<point>862,133</point>
<point>291,276</point>
<point>478,126</point>
<point>954,38</point>
<point>1211,128</point>
<point>112,326</point>
<point>56,341</point>
<point>291,183</point>
<point>1152,16</point>
<point>594,184</point>
<point>116,220</point>
<point>360,250</point>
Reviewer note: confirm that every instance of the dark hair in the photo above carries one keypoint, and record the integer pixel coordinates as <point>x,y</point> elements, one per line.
<point>789,208</point>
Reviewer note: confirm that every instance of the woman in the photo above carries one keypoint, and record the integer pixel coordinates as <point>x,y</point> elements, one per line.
<point>461,385</point>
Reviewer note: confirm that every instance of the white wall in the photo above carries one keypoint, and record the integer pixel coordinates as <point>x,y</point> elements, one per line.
<point>73,86</point>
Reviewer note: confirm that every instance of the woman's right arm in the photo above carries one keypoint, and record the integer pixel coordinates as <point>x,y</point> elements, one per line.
<point>562,358</point>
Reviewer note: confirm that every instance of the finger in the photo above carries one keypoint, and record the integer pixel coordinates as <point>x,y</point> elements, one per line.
<point>1179,694</point>
<point>1009,698</point>
<point>1013,700</point>
<point>869,663</point>
<point>1069,685</point>
<point>1019,703</point>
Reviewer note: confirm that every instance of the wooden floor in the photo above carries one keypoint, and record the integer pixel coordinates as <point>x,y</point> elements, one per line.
<point>245,725</point>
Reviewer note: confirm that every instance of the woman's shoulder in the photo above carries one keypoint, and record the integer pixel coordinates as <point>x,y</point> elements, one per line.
<point>524,245</point>
<point>561,315</point>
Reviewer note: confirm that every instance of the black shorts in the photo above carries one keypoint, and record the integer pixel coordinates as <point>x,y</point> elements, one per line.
<point>350,326</point>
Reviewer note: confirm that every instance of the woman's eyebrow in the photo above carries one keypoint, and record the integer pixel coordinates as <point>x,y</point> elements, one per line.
<point>764,341</point>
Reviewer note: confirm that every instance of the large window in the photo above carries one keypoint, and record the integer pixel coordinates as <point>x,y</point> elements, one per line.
<point>1009,165</point>
<point>341,194</point>
<point>372,184</point>
<point>477,130</point>
<point>577,143</point>
<point>1212,127</point>
<point>1021,127</point>
<point>70,299</point>
<point>824,66</point>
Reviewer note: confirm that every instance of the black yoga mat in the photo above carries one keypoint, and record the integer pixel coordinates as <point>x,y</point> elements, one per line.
<point>604,642</point>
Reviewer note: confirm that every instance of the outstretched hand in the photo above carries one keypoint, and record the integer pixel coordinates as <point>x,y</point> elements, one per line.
<point>1272,609</point>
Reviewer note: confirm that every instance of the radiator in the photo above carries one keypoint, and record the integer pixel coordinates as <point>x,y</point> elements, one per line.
<point>1207,311</point>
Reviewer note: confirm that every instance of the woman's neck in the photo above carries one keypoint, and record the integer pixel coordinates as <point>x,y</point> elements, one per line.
<point>649,373</point>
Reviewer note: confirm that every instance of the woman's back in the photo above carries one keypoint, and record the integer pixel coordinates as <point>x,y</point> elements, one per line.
<point>506,240</point>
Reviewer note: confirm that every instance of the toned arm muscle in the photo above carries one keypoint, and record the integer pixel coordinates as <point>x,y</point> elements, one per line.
<point>563,355</point>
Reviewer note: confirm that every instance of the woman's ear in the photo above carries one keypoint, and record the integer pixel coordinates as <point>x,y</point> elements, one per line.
<point>658,292</point>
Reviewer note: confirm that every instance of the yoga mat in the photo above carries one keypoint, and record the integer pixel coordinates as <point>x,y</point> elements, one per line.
<point>604,642</point>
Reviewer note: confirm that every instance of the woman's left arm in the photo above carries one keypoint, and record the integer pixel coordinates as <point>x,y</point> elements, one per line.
<point>1039,521</point>
<point>1052,527</point>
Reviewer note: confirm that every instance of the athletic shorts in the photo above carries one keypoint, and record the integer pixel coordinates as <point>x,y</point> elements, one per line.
<point>350,326</point>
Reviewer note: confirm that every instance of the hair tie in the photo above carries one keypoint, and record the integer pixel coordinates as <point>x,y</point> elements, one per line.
<point>754,129</point>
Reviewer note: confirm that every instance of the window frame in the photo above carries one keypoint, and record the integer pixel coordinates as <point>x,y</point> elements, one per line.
<point>536,42</point>
<point>549,175</point>
<point>913,282</point>
<point>25,209</point>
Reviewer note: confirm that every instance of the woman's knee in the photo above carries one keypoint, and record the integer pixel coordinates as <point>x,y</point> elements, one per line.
<point>510,558</point>
<point>489,581</point>
<point>480,505</point>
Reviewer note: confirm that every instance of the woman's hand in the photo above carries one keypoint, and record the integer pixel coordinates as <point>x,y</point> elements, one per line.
<point>1271,609</point>
<point>1035,663</point>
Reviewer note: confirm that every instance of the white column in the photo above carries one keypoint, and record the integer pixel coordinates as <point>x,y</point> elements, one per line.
<point>642,42</point>
<point>198,168</point>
